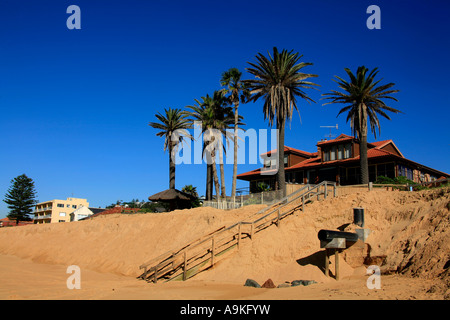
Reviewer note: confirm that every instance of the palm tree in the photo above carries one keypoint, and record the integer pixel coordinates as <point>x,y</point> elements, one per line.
<point>173,127</point>
<point>279,81</point>
<point>190,189</point>
<point>202,113</point>
<point>362,97</point>
<point>216,116</point>
<point>237,91</point>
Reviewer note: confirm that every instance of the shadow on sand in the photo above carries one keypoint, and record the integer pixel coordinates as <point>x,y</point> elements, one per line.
<point>316,259</point>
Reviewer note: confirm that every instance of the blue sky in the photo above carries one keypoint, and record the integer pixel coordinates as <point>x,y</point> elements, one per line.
<point>75,104</point>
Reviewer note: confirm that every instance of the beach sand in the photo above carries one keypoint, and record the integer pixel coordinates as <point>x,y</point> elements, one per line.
<point>409,229</point>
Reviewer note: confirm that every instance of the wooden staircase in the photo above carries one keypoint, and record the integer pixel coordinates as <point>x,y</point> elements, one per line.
<point>204,252</point>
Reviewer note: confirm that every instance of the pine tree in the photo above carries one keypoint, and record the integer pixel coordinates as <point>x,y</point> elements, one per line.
<point>20,198</point>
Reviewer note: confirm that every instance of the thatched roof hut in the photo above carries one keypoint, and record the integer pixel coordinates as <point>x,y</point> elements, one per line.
<point>176,198</point>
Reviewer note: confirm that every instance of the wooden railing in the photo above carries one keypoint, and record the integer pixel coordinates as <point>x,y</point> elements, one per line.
<point>203,252</point>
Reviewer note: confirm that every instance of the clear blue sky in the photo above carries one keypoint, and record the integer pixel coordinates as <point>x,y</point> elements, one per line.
<point>75,104</point>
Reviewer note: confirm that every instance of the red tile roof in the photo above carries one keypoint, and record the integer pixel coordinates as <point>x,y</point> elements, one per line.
<point>315,160</point>
<point>380,144</point>
<point>291,150</point>
<point>340,138</point>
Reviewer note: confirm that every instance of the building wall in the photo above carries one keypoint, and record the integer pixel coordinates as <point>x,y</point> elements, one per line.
<point>58,210</point>
<point>294,159</point>
<point>389,147</point>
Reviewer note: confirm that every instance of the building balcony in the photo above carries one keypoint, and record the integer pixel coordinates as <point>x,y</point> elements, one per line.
<point>45,216</point>
<point>43,209</point>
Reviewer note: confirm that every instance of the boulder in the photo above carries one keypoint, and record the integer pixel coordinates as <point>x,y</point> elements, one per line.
<point>302,282</point>
<point>268,284</point>
<point>252,283</point>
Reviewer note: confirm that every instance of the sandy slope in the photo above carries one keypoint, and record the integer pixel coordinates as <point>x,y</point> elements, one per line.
<point>410,228</point>
<point>115,243</point>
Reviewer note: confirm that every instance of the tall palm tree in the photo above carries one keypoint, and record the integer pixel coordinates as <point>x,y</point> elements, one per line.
<point>234,86</point>
<point>216,116</point>
<point>202,113</point>
<point>362,96</point>
<point>173,126</point>
<point>279,82</point>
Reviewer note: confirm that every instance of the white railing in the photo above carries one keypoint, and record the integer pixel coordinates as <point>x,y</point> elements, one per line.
<point>267,197</point>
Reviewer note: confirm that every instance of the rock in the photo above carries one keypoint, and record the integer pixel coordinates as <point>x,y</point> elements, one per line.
<point>252,283</point>
<point>268,284</point>
<point>375,260</point>
<point>284,285</point>
<point>302,282</point>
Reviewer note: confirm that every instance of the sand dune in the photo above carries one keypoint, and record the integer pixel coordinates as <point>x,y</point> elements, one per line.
<point>411,229</point>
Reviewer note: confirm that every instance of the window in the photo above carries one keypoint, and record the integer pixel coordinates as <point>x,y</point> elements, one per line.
<point>74,206</point>
<point>347,151</point>
<point>61,220</point>
<point>405,171</point>
<point>333,153</point>
<point>68,206</point>
<point>268,163</point>
<point>285,160</point>
<point>326,154</point>
<point>386,170</point>
<point>60,205</point>
<point>298,176</point>
<point>62,214</point>
<point>288,177</point>
<point>340,151</point>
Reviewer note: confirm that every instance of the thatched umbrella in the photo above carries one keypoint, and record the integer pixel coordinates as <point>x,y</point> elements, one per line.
<point>176,198</point>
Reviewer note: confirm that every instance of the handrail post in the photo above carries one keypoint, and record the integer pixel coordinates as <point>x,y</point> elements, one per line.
<point>212,251</point>
<point>239,235</point>
<point>325,192</point>
<point>185,266</point>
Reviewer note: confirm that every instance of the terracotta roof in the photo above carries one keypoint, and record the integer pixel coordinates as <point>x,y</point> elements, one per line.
<point>340,138</point>
<point>316,161</point>
<point>375,151</point>
<point>291,150</point>
<point>255,172</point>
<point>380,144</point>
<point>371,154</point>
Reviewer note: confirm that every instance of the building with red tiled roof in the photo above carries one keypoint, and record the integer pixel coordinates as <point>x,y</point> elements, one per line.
<point>6,222</point>
<point>338,160</point>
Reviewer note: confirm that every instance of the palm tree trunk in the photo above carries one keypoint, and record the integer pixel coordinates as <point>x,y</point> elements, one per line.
<point>362,132</point>
<point>222,172</point>
<point>214,171</point>
<point>208,192</point>
<point>236,120</point>
<point>171,167</point>
<point>363,162</point>
<point>281,180</point>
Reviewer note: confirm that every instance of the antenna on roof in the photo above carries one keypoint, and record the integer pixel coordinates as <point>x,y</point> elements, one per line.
<point>330,127</point>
